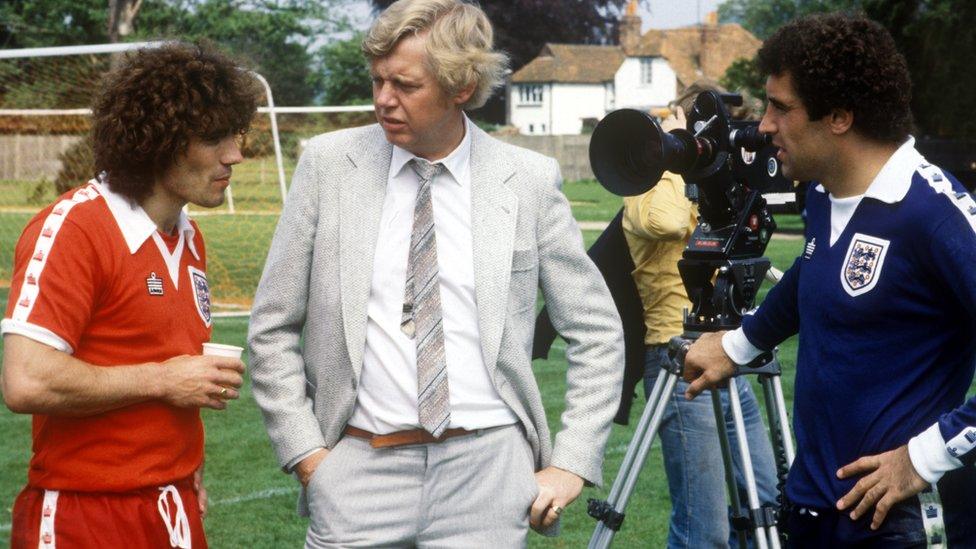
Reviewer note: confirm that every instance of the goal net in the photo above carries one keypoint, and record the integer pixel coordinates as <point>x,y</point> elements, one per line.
<point>45,100</point>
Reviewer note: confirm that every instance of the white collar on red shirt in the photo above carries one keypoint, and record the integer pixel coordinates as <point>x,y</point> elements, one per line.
<point>458,163</point>
<point>895,177</point>
<point>134,222</point>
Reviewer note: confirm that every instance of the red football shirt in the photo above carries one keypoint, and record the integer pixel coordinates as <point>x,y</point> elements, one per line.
<point>94,278</point>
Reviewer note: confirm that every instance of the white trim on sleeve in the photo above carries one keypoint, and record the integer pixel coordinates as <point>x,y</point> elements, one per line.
<point>738,347</point>
<point>39,334</point>
<point>30,289</point>
<point>929,455</point>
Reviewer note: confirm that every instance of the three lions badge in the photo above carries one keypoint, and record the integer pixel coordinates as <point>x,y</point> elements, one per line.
<point>201,293</point>
<point>862,264</point>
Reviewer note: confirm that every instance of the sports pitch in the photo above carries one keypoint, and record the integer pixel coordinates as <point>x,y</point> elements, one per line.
<point>253,502</point>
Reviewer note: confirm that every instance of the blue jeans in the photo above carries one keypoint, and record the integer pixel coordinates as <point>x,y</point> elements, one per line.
<point>693,459</point>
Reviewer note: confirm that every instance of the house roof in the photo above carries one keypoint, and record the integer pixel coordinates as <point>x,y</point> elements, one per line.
<point>700,51</point>
<point>696,52</point>
<point>572,63</point>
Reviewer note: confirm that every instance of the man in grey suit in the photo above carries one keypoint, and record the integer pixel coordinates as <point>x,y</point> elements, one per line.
<point>391,333</point>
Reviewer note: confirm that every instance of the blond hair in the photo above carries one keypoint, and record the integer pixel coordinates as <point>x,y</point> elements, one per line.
<point>459,44</point>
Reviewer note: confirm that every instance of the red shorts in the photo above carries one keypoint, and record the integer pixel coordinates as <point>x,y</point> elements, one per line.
<point>144,518</point>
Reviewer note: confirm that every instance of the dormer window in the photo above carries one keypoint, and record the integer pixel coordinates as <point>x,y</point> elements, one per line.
<point>530,94</point>
<point>646,72</point>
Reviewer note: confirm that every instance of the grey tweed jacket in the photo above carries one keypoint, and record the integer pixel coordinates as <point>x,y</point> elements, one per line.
<point>308,323</point>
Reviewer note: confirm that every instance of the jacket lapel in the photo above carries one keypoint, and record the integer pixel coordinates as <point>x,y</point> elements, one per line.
<point>360,209</point>
<point>494,211</point>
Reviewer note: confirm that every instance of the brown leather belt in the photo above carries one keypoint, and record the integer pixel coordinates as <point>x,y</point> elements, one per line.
<point>403,438</point>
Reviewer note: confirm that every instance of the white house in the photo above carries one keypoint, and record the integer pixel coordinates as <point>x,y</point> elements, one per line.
<point>569,85</point>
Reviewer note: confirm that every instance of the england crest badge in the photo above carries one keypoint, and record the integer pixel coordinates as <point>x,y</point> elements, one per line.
<point>862,264</point>
<point>201,293</point>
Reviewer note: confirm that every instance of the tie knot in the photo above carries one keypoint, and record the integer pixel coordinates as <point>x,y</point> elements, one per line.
<point>425,169</point>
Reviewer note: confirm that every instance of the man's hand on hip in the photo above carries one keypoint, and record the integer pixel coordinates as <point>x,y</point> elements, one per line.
<point>888,478</point>
<point>306,467</point>
<point>200,381</point>
<point>557,489</point>
<point>706,364</point>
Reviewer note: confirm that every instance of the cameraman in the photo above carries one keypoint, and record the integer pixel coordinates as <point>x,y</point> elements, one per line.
<point>883,299</point>
<point>657,225</point>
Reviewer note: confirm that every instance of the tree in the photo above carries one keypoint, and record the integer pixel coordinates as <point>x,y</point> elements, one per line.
<point>763,17</point>
<point>345,73</point>
<point>935,36</point>
<point>121,14</point>
<point>743,77</point>
<point>37,23</point>
<point>273,36</point>
<point>937,39</point>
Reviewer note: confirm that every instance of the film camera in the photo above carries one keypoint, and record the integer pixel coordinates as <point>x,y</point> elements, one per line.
<point>726,164</point>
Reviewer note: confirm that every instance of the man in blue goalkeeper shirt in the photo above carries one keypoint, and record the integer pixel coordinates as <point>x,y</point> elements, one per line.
<point>883,298</point>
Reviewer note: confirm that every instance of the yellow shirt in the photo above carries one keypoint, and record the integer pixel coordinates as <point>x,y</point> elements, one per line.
<point>657,225</point>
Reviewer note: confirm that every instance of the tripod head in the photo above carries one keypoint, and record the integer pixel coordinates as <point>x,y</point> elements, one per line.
<point>726,165</point>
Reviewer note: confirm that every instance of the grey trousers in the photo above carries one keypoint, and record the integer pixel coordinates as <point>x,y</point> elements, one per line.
<point>469,491</point>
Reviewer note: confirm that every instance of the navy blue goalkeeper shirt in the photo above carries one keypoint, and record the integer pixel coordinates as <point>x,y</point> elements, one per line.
<point>886,319</point>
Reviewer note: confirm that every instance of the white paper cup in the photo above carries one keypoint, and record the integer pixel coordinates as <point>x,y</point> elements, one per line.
<point>219,349</point>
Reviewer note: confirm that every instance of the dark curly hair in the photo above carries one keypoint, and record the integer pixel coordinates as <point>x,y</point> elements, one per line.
<point>847,62</point>
<point>156,100</point>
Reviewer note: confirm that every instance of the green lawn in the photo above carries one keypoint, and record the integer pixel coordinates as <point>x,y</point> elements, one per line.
<point>252,502</point>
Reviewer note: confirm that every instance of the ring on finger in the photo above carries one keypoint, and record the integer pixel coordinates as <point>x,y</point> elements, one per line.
<point>557,509</point>
<point>223,392</point>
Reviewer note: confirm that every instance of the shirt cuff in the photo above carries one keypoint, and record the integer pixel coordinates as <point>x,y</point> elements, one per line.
<point>929,455</point>
<point>738,347</point>
<point>290,466</point>
<point>35,332</point>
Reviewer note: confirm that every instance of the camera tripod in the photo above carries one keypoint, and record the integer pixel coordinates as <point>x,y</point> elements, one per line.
<point>726,164</point>
<point>761,520</point>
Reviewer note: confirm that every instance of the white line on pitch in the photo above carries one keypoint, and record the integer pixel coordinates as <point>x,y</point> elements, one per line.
<point>261,494</point>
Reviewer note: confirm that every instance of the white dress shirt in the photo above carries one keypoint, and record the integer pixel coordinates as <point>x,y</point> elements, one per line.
<point>387,397</point>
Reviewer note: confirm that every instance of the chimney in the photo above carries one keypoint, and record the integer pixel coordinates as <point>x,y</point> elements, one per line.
<point>710,55</point>
<point>630,28</point>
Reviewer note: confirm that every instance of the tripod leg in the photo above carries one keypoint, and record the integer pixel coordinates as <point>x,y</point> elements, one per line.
<point>636,454</point>
<point>777,434</point>
<point>723,439</point>
<point>746,461</point>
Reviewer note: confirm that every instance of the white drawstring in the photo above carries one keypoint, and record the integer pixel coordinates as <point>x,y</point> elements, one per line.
<point>179,529</point>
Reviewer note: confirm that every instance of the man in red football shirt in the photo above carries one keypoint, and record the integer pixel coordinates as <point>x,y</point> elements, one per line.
<point>109,307</point>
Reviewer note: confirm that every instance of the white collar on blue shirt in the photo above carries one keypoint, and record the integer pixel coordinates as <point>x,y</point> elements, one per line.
<point>458,163</point>
<point>134,222</point>
<point>895,177</point>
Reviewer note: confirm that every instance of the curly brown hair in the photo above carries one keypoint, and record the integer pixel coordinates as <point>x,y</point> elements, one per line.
<point>848,62</point>
<point>156,100</point>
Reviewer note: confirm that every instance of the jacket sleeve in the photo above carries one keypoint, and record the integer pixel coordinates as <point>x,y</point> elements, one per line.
<point>584,314</point>
<point>277,365</point>
<point>950,443</point>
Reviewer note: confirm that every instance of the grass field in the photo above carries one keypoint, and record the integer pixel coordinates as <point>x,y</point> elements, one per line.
<point>253,502</point>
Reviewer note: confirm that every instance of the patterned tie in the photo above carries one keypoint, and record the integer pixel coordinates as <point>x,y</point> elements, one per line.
<point>422,318</point>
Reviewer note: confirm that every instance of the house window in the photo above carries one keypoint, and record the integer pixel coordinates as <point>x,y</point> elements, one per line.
<point>530,94</point>
<point>646,72</point>
<point>531,128</point>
